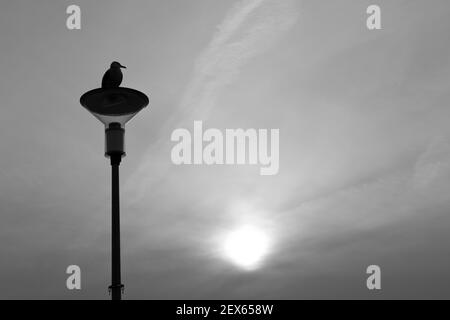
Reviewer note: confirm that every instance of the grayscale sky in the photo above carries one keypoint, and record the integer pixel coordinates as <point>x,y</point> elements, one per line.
<point>364,148</point>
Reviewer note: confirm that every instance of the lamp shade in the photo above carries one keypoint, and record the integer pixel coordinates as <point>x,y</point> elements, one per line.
<point>114,105</point>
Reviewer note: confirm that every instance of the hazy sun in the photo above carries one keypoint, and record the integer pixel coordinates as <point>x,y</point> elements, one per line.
<point>246,247</point>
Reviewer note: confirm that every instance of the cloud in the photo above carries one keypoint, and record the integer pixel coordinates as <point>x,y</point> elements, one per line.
<point>433,163</point>
<point>401,195</point>
<point>249,28</point>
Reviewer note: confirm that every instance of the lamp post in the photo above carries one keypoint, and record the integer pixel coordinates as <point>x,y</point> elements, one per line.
<point>114,107</point>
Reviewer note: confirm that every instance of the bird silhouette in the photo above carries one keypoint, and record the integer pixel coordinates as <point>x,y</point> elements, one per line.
<point>113,76</point>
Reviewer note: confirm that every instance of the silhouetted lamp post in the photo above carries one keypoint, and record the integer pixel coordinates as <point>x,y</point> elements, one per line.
<point>114,107</point>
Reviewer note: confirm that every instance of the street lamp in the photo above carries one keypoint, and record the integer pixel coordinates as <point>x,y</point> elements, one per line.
<point>114,107</point>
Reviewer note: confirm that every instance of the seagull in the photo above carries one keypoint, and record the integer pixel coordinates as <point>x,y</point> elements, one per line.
<point>113,76</point>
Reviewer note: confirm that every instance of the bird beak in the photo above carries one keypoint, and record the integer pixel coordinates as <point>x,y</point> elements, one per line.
<point>123,66</point>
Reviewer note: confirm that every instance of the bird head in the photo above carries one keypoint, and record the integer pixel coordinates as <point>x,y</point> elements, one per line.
<point>116,64</point>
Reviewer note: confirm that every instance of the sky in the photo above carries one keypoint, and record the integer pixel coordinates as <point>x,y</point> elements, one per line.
<point>364,148</point>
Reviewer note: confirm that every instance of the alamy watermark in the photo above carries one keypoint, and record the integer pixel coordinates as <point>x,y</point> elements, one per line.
<point>73,282</point>
<point>374,280</point>
<point>235,146</point>
<point>374,20</point>
<point>73,21</point>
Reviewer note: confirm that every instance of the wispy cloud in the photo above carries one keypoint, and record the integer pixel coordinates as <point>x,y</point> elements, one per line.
<point>402,194</point>
<point>249,28</point>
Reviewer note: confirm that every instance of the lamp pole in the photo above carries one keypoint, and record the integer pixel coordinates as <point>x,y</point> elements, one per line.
<point>114,135</point>
<point>114,107</point>
<point>116,283</point>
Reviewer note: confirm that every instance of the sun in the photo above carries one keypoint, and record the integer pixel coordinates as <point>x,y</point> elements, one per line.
<point>246,247</point>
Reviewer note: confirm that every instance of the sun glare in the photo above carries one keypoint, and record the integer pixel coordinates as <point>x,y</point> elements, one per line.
<point>246,247</point>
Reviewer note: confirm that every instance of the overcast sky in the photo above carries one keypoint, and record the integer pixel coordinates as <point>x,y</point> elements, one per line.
<point>364,172</point>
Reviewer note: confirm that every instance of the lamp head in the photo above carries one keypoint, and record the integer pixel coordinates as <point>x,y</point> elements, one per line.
<point>114,105</point>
